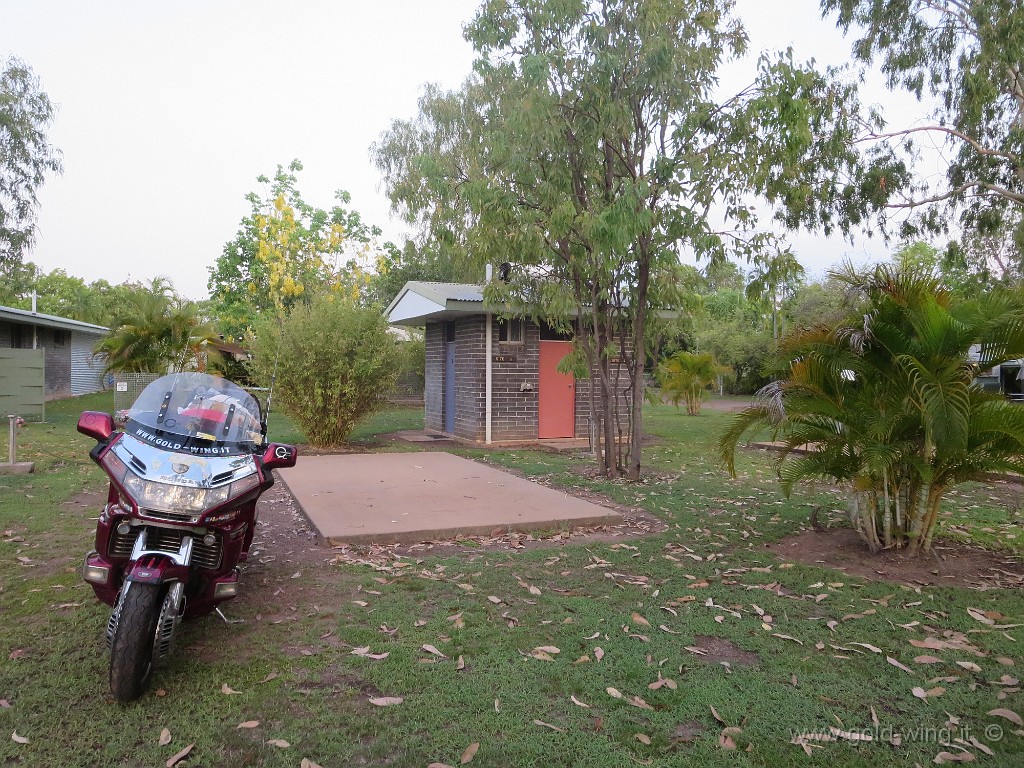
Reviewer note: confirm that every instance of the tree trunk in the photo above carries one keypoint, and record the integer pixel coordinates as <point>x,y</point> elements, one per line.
<point>922,542</point>
<point>592,404</point>
<point>606,391</point>
<point>639,358</point>
<point>886,512</point>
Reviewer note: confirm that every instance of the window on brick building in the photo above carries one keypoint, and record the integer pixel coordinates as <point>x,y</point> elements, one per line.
<point>547,333</point>
<point>510,331</point>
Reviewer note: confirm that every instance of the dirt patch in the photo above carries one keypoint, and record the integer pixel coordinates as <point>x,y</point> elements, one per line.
<point>686,733</point>
<point>283,533</point>
<point>288,573</point>
<point>727,405</point>
<point>333,680</point>
<point>718,650</point>
<point>951,564</point>
<point>87,501</point>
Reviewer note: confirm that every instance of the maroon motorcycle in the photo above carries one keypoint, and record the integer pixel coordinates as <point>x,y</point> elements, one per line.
<point>185,472</point>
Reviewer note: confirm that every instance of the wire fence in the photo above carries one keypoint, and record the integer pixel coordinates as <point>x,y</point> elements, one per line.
<point>128,387</point>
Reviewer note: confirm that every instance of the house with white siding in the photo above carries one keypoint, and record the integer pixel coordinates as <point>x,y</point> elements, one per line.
<point>71,368</point>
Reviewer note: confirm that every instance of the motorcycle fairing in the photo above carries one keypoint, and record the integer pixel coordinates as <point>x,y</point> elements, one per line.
<point>163,466</point>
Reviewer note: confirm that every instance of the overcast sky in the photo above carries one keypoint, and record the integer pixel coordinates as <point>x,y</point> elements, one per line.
<point>169,111</point>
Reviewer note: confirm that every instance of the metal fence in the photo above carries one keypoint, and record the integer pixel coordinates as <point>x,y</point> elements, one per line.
<point>128,387</point>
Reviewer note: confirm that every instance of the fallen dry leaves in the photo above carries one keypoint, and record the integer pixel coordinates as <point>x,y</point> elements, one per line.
<point>431,649</point>
<point>662,682</point>
<point>1007,714</point>
<point>725,740</point>
<point>176,758</point>
<point>470,753</point>
<point>548,725</point>
<point>953,757</point>
<point>365,652</point>
<point>896,664</point>
<point>386,701</point>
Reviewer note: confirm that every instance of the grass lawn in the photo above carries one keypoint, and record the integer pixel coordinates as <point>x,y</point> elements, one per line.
<point>695,646</point>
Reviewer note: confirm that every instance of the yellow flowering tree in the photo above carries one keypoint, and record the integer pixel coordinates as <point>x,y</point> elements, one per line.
<point>294,256</point>
<point>287,250</point>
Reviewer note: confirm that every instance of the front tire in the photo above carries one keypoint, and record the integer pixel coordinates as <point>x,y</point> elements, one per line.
<point>131,651</point>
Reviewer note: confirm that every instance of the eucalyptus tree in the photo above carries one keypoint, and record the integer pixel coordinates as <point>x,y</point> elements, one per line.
<point>982,260</point>
<point>814,304</point>
<point>967,56</point>
<point>886,401</point>
<point>26,156</point>
<point>590,147</point>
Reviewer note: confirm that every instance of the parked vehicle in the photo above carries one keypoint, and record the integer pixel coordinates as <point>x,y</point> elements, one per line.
<point>185,473</point>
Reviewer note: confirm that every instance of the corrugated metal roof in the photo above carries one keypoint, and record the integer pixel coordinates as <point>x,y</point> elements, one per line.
<point>50,321</point>
<point>445,292</point>
<point>419,301</point>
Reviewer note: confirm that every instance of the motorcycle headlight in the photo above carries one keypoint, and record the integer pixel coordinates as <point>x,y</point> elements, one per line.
<point>173,498</point>
<point>168,497</point>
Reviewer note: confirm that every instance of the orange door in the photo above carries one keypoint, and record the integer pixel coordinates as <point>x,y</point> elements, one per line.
<point>556,405</point>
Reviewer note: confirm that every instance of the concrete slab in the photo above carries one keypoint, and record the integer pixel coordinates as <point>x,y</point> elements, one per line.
<point>405,498</point>
<point>17,468</point>
<point>419,436</point>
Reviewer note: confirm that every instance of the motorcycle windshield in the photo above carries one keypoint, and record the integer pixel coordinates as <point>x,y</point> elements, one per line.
<point>196,413</point>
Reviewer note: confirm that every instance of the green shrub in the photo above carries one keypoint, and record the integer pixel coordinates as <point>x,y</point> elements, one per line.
<point>335,363</point>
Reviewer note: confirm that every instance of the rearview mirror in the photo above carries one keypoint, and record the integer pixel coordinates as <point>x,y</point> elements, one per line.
<point>97,425</point>
<point>279,455</point>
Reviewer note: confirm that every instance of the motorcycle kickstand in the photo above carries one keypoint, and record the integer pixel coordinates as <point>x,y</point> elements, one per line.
<point>226,619</point>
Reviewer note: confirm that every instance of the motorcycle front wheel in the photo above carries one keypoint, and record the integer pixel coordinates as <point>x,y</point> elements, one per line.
<point>131,650</point>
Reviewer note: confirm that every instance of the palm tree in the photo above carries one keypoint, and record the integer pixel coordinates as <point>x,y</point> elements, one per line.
<point>156,332</point>
<point>886,405</point>
<point>687,376</point>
